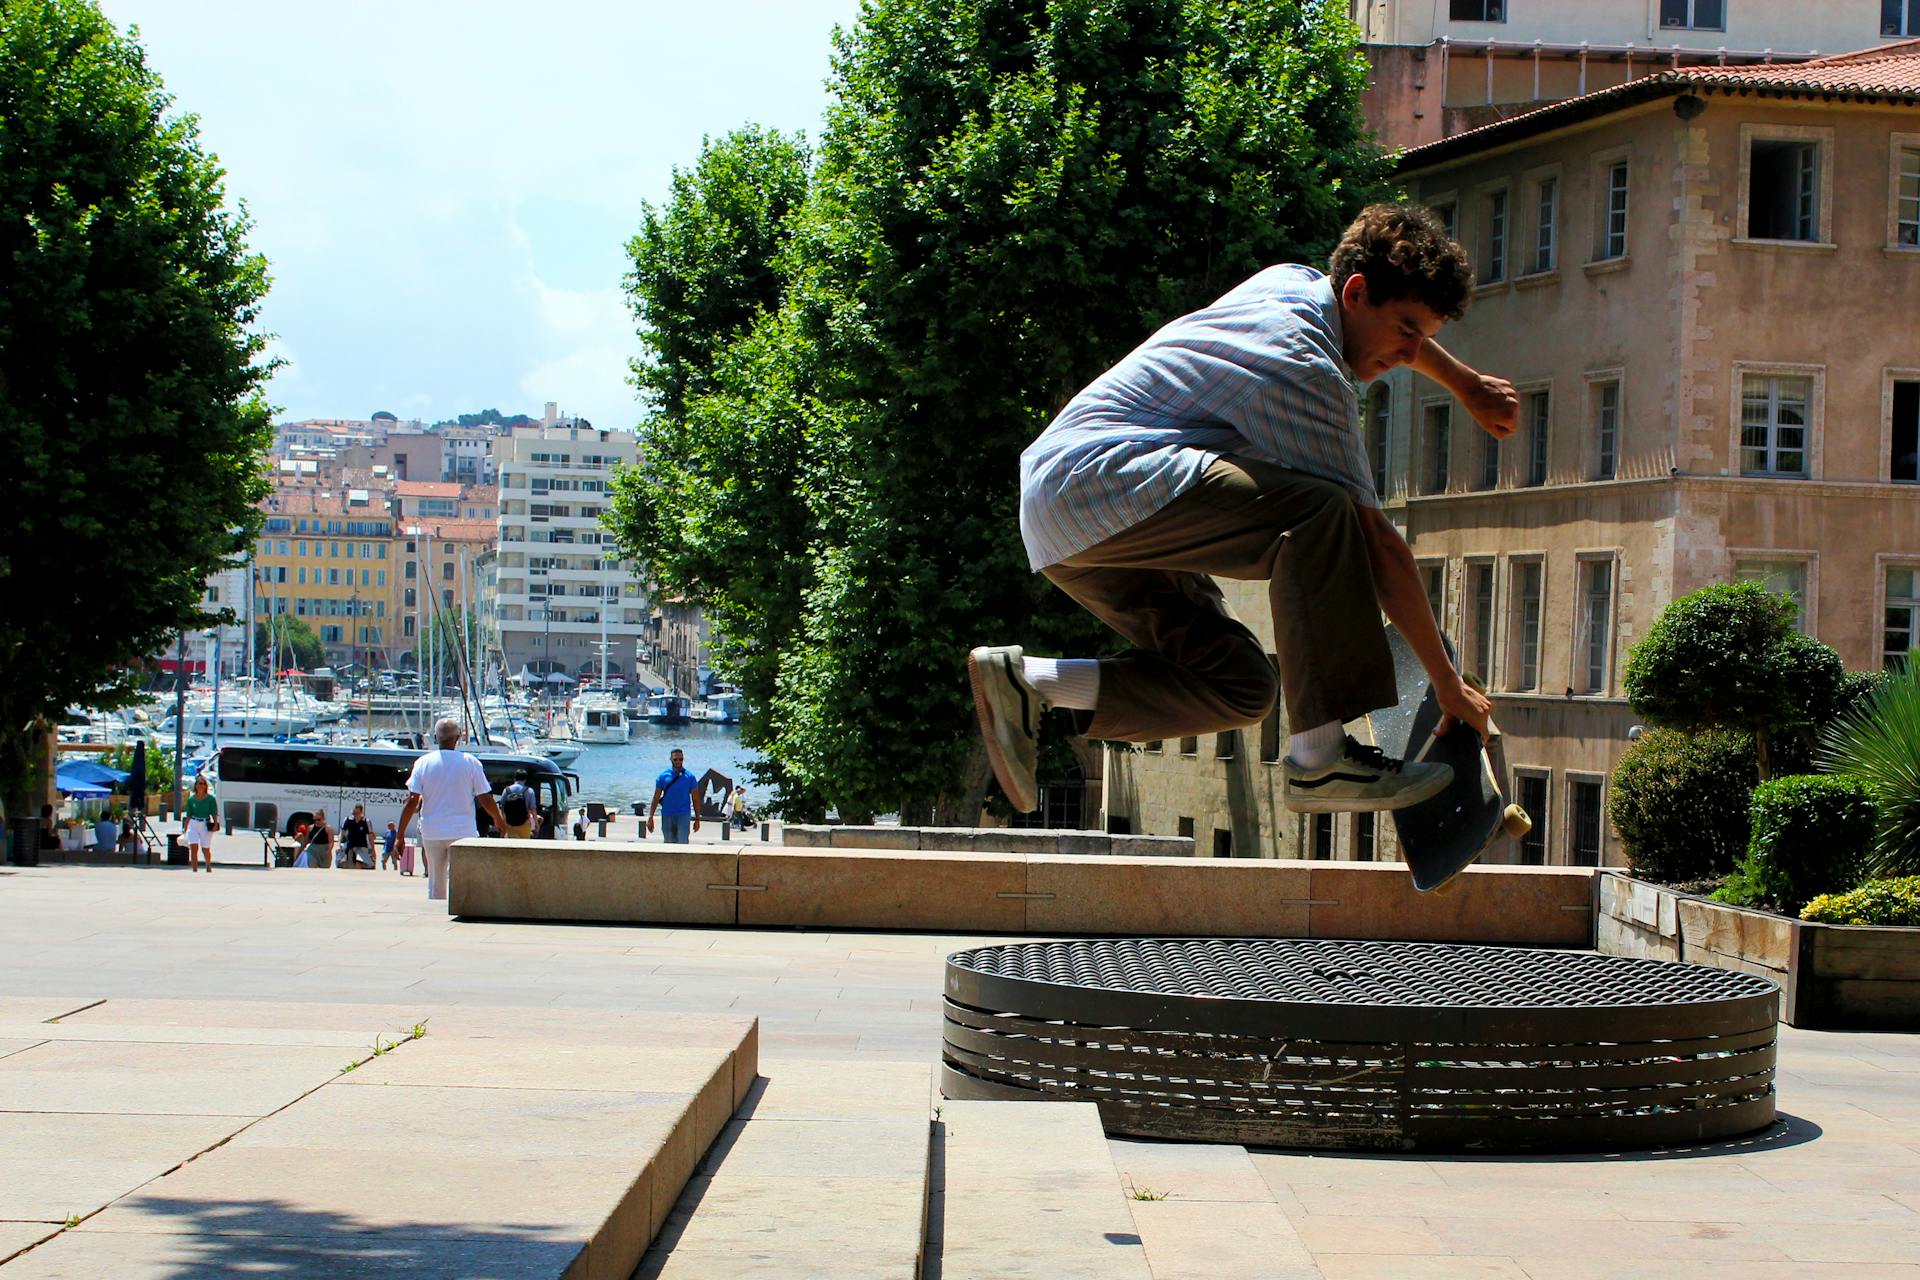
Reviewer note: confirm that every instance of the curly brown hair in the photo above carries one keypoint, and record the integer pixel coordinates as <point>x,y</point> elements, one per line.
<point>1404,251</point>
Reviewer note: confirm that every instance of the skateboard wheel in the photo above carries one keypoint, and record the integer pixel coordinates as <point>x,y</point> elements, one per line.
<point>1515,821</point>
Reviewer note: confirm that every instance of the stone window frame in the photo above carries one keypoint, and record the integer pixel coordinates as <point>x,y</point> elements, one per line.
<point>1583,558</point>
<point>1809,559</point>
<point>1422,565</point>
<point>1600,168</point>
<point>1420,462</point>
<point>1530,183</point>
<point>1545,815</point>
<point>1883,561</point>
<point>1823,136</point>
<point>1470,637</point>
<point>1816,415</point>
<point>1591,380</point>
<point>1435,201</point>
<point>1526,390</point>
<point>1483,194</point>
<point>1601,780</point>
<point>1883,470</point>
<point>1515,562</point>
<point>1897,145</point>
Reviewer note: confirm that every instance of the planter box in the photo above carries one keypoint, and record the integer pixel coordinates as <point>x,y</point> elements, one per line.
<point>1831,975</point>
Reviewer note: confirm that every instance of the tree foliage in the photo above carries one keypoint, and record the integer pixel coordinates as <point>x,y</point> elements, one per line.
<point>1877,744</point>
<point>130,377</point>
<point>284,640</point>
<point>1727,655</point>
<point>1007,197</point>
<point>1809,835</point>
<point>1681,803</point>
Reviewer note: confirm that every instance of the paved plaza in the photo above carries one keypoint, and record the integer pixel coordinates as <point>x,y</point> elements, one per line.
<point>1832,1192</point>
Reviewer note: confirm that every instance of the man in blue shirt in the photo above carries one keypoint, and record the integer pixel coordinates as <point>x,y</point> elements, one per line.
<point>673,801</point>
<point>1229,445</point>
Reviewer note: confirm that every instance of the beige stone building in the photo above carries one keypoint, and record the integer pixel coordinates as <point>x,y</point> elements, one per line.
<point>1701,284</point>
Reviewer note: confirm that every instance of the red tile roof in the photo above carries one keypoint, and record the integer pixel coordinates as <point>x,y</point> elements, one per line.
<point>428,488</point>
<point>1885,73</point>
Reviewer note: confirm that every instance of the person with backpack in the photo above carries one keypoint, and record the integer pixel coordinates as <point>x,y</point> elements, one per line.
<point>519,806</point>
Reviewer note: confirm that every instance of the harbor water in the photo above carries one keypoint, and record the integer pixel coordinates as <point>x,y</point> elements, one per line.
<point>621,775</point>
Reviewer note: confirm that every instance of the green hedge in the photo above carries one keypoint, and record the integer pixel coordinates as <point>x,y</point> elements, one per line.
<point>1895,901</point>
<point>1680,802</point>
<point>1809,837</point>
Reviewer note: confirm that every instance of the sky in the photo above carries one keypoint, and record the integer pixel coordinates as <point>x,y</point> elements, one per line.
<point>444,190</point>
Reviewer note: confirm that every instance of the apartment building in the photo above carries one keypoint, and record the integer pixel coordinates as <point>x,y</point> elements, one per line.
<point>1699,283</point>
<point>439,568</point>
<point>326,556</point>
<point>1442,66</point>
<point>557,585</point>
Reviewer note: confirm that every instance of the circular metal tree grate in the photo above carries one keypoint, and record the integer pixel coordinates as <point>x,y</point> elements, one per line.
<point>1381,1045</point>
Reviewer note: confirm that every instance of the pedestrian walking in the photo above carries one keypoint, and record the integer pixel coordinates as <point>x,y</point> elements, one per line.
<point>519,807</point>
<point>737,808</point>
<point>356,837</point>
<point>389,847</point>
<point>318,849</point>
<point>443,789</point>
<point>673,800</point>
<point>203,819</point>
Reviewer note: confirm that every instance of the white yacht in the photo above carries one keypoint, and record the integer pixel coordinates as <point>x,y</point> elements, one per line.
<point>242,722</point>
<point>597,716</point>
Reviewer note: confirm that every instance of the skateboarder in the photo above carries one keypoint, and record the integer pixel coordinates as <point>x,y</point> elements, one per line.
<point>1229,445</point>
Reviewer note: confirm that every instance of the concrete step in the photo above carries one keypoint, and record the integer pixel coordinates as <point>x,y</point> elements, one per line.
<point>329,1141</point>
<point>1028,1191</point>
<point>822,1172</point>
<point>1204,1212</point>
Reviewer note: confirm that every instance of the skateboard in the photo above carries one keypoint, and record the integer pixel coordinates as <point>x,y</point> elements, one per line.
<point>1445,833</point>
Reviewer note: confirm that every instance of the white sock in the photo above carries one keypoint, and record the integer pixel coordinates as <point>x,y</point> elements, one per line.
<point>1318,747</point>
<point>1073,683</point>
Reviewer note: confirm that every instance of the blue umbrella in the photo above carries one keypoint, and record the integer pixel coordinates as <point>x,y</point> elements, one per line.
<point>84,790</point>
<point>89,771</point>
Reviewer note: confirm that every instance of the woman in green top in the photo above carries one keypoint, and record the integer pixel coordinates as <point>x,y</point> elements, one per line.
<point>203,817</point>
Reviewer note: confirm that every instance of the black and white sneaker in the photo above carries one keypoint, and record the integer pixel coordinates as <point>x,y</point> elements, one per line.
<point>1362,779</point>
<point>1009,708</point>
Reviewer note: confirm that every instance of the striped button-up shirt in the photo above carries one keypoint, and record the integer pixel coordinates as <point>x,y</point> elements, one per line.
<point>1258,373</point>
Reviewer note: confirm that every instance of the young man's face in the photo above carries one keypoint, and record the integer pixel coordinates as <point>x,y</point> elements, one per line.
<point>1376,337</point>
<point>678,760</point>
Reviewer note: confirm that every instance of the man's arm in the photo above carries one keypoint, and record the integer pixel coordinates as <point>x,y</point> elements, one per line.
<point>652,805</point>
<point>492,807</point>
<point>407,810</point>
<point>1492,401</point>
<point>1396,581</point>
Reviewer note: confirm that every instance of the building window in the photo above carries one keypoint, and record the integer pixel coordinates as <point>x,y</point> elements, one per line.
<point>406,626</point>
<point>1900,17</point>
<point>446,570</point>
<point>1783,190</point>
<point>1907,200</point>
<point>1226,745</point>
<point>1477,10</point>
<point>1434,577</point>
<point>1693,15</point>
<point>1447,212</point>
<point>1183,827</point>
<point>412,569</point>
<point>301,577</point>
<point>1782,577</point>
<point>1537,419</point>
<point>1613,225</point>
<point>1596,623</point>
<point>1439,444</point>
<point>1545,229</point>
<point>1493,259</point>
<point>1320,837</point>
<point>1489,461</point>
<point>1773,425</point>
<point>1903,616</point>
<point>1190,746</point>
<point>1379,406</point>
<point>1584,801</point>
<point>1156,746</point>
<point>1222,844</point>
<point>1365,837</point>
<point>1533,798</point>
<point>1527,591</point>
<point>1904,465</point>
<point>1480,602</point>
<point>1606,430</point>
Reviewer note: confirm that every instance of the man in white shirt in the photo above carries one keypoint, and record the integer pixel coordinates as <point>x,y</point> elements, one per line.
<point>443,788</point>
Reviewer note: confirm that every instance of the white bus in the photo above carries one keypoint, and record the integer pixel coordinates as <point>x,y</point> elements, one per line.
<point>280,785</point>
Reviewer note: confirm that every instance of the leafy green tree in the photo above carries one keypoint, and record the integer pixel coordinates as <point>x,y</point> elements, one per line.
<point>1728,656</point>
<point>1877,744</point>
<point>1005,200</point>
<point>284,641</point>
<point>130,375</point>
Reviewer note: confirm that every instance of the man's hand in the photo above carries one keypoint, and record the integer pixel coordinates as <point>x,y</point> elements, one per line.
<point>1494,404</point>
<point>1463,704</point>
<point>696,820</point>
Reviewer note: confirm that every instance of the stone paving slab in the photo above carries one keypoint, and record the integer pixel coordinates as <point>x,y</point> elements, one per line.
<point>54,1164</point>
<point>494,1255</point>
<point>173,1079</point>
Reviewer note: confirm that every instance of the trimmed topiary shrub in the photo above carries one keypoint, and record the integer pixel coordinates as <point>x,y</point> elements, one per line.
<point>1895,902</point>
<point>1680,803</point>
<point>1809,837</point>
